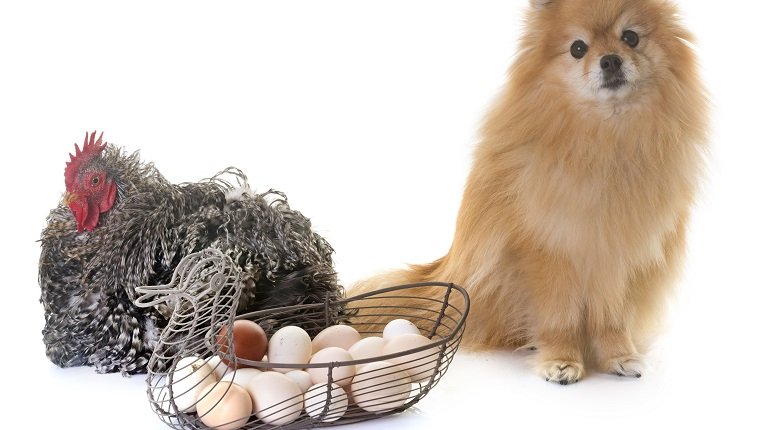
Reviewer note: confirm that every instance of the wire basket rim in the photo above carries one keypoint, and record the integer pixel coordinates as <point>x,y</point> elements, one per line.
<point>434,344</point>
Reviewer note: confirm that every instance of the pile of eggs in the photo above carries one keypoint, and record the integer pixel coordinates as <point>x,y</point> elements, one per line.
<point>225,399</point>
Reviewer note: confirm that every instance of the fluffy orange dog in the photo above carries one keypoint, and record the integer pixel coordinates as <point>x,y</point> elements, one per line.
<point>572,224</point>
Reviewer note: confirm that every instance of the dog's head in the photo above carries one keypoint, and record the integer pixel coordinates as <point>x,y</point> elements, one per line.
<point>608,52</point>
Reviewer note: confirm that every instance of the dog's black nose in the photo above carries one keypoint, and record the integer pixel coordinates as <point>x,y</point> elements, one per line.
<point>611,63</point>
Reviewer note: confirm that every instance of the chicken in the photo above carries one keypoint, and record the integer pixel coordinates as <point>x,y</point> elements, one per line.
<point>121,225</point>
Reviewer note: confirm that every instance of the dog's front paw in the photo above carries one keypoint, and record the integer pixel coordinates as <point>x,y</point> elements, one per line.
<point>629,365</point>
<point>561,371</point>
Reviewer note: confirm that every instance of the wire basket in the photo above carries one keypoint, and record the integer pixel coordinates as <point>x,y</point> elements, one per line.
<point>204,293</point>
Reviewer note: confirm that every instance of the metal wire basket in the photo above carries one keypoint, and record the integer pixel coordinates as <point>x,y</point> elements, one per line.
<point>204,293</point>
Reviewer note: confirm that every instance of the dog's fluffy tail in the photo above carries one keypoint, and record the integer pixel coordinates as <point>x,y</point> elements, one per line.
<point>414,274</point>
<point>420,305</point>
<point>495,320</point>
<point>417,304</point>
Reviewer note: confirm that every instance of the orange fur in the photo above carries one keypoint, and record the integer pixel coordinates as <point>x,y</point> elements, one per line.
<point>571,227</point>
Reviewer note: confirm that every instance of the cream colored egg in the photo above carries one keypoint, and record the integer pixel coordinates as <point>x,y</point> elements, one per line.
<point>289,345</point>
<point>241,376</point>
<point>224,406</point>
<point>220,369</point>
<point>368,347</point>
<point>190,376</point>
<point>302,378</point>
<point>315,401</point>
<point>380,386</point>
<point>341,375</point>
<point>421,364</point>
<point>398,327</point>
<point>342,336</point>
<point>277,399</point>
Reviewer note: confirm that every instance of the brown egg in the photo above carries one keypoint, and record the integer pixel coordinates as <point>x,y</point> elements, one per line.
<point>249,340</point>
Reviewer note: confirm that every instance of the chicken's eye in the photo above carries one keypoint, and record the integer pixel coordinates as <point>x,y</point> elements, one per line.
<point>95,181</point>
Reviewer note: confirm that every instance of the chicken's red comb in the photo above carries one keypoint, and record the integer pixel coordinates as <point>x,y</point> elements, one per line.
<point>90,149</point>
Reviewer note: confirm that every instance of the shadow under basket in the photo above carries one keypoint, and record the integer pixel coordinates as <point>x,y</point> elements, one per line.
<point>204,293</point>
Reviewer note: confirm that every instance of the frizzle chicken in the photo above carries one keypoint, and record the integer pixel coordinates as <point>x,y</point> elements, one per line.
<point>121,225</point>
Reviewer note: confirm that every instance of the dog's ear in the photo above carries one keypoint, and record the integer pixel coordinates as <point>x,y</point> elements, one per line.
<point>540,4</point>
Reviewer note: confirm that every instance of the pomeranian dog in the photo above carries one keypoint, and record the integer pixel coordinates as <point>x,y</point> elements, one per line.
<point>573,220</point>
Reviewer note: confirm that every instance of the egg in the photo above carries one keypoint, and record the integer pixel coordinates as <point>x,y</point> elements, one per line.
<point>315,401</point>
<point>241,376</point>
<point>398,327</point>
<point>224,406</point>
<point>220,369</point>
<point>367,348</point>
<point>302,378</point>
<point>289,345</point>
<point>341,374</point>
<point>249,342</point>
<point>190,376</point>
<point>342,336</point>
<point>277,400</point>
<point>421,364</point>
<point>380,386</point>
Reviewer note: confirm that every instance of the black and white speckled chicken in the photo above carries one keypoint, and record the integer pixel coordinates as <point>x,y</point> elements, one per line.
<point>121,225</point>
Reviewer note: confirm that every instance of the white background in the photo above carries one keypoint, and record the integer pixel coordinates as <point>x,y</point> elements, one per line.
<point>366,115</point>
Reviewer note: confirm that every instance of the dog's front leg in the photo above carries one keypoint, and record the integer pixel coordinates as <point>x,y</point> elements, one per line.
<point>609,327</point>
<point>558,311</point>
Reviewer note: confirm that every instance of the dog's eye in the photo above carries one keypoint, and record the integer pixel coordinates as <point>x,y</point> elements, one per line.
<point>631,38</point>
<point>578,49</point>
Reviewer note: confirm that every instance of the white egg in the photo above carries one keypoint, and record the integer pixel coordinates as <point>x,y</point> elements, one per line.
<point>302,378</point>
<point>224,406</point>
<point>190,376</point>
<point>315,401</point>
<point>341,375</point>
<point>367,348</point>
<point>342,336</point>
<point>380,386</point>
<point>421,364</point>
<point>241,376</point>
<point>277,400</point>
<point>289,345</point>
<point>398,327</point>
<point>220,369</point>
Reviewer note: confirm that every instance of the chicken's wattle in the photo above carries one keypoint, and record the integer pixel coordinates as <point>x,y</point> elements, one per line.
<point>86,218</point>
<point>87,210</point>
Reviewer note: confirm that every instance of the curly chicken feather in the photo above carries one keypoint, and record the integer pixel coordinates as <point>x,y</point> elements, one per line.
<point>121,225</point>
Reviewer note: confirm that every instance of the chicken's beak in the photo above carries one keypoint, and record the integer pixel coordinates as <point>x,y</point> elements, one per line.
<point>69,197</point>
